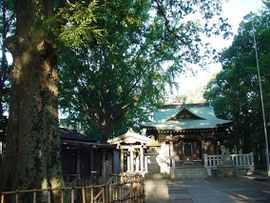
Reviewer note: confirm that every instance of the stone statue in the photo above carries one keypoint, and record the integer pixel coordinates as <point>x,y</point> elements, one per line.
<point>226,169</point>
<point>224,151</point>
<point>225,156</point>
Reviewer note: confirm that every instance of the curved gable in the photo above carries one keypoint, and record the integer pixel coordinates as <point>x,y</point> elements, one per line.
<point>185,113</point>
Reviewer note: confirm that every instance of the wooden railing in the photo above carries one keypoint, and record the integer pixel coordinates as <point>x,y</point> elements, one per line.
<point>71,180</point>
<point>68,178</point>
<point>74,180</point>
<point>239,160</point>
<point>117,189</point>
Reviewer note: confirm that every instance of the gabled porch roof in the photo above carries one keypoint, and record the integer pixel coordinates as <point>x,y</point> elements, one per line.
<point>130,137</point>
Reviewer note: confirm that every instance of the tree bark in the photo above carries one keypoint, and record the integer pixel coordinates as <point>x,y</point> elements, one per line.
<point>33,143</point>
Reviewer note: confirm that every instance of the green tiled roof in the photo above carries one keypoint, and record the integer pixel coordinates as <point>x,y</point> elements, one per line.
<point>204,118</point>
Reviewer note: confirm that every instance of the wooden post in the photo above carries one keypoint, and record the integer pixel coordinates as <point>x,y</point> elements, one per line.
<point>128,163</point>
<point>2,198</point>
<point>172,162</point>
<point>171,149</point>
<point>138,188</point>
<point>202,147</point>
<point>110,193</point>
<point>115,196</point>
<point>83,195</point>
<point>120,192</point>
<point>142,189</point>
<point>130,193</point>
<point>146,164</point>
<point>103,194</point>
<point>192,150</point>
<point>141,159</point>
<point>137,164</point>
<point>34,196</point>
<point>131,160</point>
<point>102,165</point>
<point>212,147</point>
<point>72,195</point>
<point>62,196</point>
<point>215,143</point>
<point>91,164</point>
<point>49,195</point>
<point>78,164</point>
<point>17,196</point>
<point>92,194</point>
<point>122,160</point>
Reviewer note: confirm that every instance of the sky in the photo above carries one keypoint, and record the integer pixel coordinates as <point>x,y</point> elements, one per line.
<point>234,10</point>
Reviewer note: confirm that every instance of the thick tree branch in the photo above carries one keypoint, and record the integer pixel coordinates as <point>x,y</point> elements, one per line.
<point>119,108</point>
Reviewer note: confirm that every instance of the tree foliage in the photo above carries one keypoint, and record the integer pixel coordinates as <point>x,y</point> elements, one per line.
<point>115,80</point>
<point>234,92</point>
<point>6,27</point>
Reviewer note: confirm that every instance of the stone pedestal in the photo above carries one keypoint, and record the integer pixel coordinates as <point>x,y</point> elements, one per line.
<point>226,161</point>
<point>153,166</point>
<point>226,171</point>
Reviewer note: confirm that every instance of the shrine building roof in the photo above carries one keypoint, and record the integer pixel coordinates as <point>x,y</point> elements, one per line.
<point>185,117</point>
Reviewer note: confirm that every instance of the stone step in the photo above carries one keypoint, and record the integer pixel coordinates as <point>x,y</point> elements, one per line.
<point>198,172</point>
<point>189,166</point>
<point>194,163</point>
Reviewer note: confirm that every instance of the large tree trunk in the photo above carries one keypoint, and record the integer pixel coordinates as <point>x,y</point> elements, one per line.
<point>32,157</point>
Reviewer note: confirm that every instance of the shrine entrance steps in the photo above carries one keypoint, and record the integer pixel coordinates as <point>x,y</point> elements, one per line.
<point>190,171</point>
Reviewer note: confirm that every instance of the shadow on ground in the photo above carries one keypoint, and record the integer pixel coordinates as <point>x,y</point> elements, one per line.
<point>202,190</point>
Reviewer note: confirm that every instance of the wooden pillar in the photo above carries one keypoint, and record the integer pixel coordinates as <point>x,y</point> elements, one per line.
<point>141,159</point>
<point>180,149</point>
<point>202,146</point>
<point>146,164</point>
<point>131,160</point>
<point>112,160</point>
<point>137,164</point>
<point>128,163</point>
<point>171,148</point>
<point>122,160</point>
<point>211,146</point>
<point>216,146</point>
<point>102,163</point>
<point>78,164</point>
<point>91,164</point>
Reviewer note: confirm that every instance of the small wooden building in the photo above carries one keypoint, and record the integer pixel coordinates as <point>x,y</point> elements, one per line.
<point>84,159</point>
<point>190,130</point>
<point>132,148</point>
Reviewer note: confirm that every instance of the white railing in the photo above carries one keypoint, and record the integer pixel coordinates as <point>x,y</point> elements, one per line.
<point>239,160</point>
<point>243,159</point>
<point>211,161</point>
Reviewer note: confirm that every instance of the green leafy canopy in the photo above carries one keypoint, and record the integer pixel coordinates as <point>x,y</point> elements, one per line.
<point>113,77</point>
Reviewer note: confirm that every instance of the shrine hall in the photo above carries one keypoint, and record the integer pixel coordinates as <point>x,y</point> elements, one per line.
<point>190,130</point>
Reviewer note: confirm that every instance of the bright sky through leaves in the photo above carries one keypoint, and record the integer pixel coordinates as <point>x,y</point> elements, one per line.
<point>234,10</point>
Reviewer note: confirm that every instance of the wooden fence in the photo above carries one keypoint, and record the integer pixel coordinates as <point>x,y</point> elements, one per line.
<point>117,189</point>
